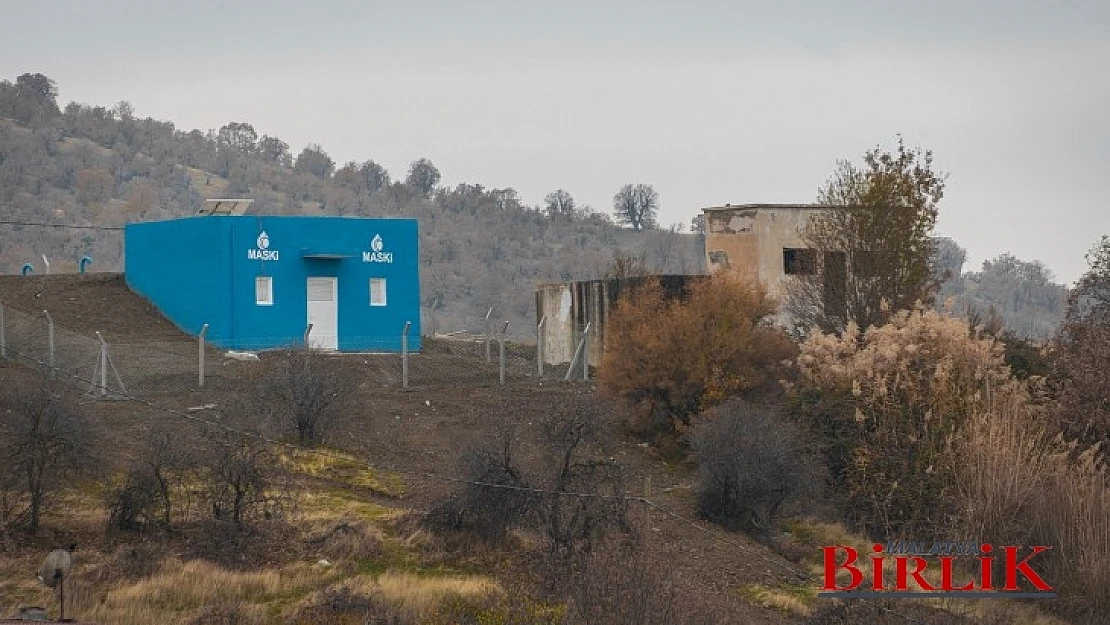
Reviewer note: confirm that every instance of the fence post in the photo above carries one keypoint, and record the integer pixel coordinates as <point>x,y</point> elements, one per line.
<point>488,331</point>
<point>405,355</point>
<point>200,355</point>
<point>3,334</point>
<point>103,365</point>
<point>539,346</point>
<point>586,353</point>
<point>501,353</point>
<point>50,343</point>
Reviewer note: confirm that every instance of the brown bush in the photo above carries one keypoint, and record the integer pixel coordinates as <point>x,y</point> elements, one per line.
<point>45,441</point>
<point>673,359</point>
<point>889,401</point>
<point>305,393</point>
<point>1020,485</point>
<point>751,462</point>
<point>495,500</point>
<point>344,606</point>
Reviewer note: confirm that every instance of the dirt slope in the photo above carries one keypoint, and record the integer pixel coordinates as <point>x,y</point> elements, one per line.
<point>89,303</point>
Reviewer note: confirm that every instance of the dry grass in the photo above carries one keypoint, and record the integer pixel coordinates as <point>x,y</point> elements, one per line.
<point>1022,486</point>
<point>345,469</point>
<point>180,592</point>
<point>796,600</point>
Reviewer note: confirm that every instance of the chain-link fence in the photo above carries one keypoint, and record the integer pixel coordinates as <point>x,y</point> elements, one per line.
<point>114,366</point>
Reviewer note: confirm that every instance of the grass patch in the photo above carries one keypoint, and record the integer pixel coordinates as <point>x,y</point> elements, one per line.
<point>329,505</point>
<point>344,468</point>
<point>180,591</point>
<point>791,599</point>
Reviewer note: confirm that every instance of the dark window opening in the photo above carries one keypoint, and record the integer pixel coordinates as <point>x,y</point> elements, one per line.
<point>799,262</point>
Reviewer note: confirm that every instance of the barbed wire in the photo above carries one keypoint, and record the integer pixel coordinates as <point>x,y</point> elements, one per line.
<point>39,224</point>
<point>348,458</point>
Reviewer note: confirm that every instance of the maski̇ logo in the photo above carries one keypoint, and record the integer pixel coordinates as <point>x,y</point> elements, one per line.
<point>376,255</point>
<point>263,251</point>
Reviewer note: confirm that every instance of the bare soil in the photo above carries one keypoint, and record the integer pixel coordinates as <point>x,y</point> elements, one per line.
<point>89,303</point>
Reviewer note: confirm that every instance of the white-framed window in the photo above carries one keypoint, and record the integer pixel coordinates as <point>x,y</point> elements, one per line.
<point>264,291</point>
<point>377,291</point>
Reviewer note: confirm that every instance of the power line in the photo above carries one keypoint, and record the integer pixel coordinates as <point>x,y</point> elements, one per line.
<point>36,224</point>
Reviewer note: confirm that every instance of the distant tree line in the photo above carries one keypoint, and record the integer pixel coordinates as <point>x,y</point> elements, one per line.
<point>100,165</point>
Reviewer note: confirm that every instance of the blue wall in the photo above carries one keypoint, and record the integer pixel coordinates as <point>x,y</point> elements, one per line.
<point>182,267</point>
<point>207,275</point>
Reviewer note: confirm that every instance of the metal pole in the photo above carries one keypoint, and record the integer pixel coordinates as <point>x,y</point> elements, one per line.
<point>3,335</point>
<point>539,346</point>
<point>501,353</point>
<point>573,361</point>
<point>586,354</point>
<point>50,342</point>
<point>488,332</point>
<point>200,355</point>
<point>405,355</point>
<point>103,365</point>
<point>58,575</point>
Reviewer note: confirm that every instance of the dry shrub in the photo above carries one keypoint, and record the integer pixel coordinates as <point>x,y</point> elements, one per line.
<point>1020,485</point>
<point>228,613</point>
<point>884,613</point>
<point>45,443</point>
<point>126,562</point>
<point>305,392</point>
<point>674,358</point>
<point>751,462</point>
<point>893,398</point>
<point>494,500</point>
<point>345,606</point>
<point>352,541</point>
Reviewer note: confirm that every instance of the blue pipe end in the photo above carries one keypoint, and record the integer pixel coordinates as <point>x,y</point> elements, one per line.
<point>28,269</point>
<point>85,261</point>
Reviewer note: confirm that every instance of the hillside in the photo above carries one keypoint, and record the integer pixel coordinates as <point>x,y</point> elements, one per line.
<point>101,167</point>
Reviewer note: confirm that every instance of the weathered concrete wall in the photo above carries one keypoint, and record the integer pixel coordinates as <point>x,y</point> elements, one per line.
<point>568,306</point>
<point>751,238</point>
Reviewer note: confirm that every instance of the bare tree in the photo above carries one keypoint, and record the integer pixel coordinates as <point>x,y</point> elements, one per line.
<point>274,151</point>
<point>242,480</point>
<point>1082,354</point>
<point>625,265</point>
<point>750,462</point>
<point>238,136</point>
<point>496,497</point>
<point>423,177</point>
<point>870,252</point>
<point>697,224</point>
<point>636,206</point>
<point>314,160</point>
<point>44,441</point>
<point>559,205</point>
<point>305,394</point>
<point>146,495</point>
<point>577,463</point>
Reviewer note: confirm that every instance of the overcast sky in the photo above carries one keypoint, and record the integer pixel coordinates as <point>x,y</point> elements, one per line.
<point>711,102</point>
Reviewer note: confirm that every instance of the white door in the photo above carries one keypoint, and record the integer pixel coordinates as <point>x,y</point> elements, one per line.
<point>323,313</point>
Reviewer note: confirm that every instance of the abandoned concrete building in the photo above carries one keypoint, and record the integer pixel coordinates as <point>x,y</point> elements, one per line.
<point>763,239</point>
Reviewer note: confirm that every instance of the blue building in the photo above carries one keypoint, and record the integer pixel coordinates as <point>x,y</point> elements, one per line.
<point>259,282</point>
